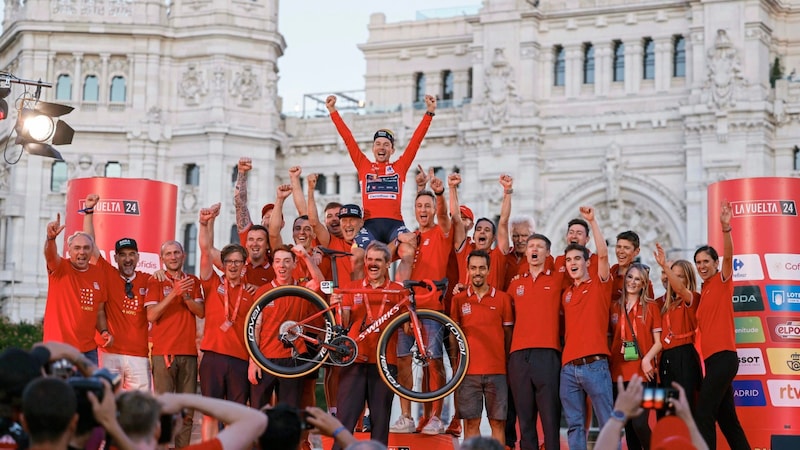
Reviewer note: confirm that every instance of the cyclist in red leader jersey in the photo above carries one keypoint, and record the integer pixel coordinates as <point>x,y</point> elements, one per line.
<point>382,185</point>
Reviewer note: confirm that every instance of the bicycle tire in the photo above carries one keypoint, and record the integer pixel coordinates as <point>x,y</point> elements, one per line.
<point>419,393</point>
<point>301,364</point>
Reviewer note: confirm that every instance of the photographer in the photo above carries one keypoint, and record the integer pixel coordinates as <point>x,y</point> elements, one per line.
<point>680,430</point>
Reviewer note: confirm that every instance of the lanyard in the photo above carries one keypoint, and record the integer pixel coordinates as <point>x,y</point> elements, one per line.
<point>635,311</point>
<point>365,301</point>
<point>669,323</point>
<point>227,302</point>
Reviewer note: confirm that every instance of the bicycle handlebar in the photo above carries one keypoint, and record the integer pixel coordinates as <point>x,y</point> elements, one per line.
<point>332,252</point>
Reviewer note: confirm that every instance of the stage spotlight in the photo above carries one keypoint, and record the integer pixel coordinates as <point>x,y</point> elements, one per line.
<point>39,128</point>
<point>4,91</point>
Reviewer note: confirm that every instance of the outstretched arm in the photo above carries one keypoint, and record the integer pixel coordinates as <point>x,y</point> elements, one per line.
<point>603,268</point>
<point>88,222</point>
<point>243,221</point>
<point>725,221</point>
<point>276,219</point>
<point>505,213</point>
<point>675,283</point>
<point>297,191</point>
<point>205,239</point>
<point>347,136</point>
<point>410,152</point>
<point>51,255</point>
<point>323,235</point>
<point>459,234</point>
<point>443,217</point>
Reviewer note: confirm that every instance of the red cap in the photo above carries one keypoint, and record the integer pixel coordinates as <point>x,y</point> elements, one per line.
<point>266,208</point>
<point>467,212</point>
<point>671,433</point>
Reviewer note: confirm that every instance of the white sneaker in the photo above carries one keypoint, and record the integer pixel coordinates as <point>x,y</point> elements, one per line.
<point>433,427</point>
<point>403,425</point>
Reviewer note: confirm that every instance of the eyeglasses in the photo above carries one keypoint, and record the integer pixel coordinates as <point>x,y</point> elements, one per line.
<point>235,262</point>
<point>129,289</point>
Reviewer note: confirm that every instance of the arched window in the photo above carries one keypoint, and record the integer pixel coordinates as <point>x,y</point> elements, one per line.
<point>117,93</point>
<point>796,158</point>
<point>469,82</point>
<point>91,89</point>
<point>322,184</point>
<point>588,63</point>
<point>679,57</point>
<point>113,169</point>
<point>447,85</point>
<point>235,235</point>
<point>619,61</point>
<point>58,176</point>
<point>234,175</point>
<point>649,60</point>
<point>64,87</point>
<point>419,87</point>
<point>192,175</point>
<point>190,246</point>
<point>559,66</point>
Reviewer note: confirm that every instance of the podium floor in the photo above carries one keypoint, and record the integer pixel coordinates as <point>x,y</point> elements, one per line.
<point>411,441</point>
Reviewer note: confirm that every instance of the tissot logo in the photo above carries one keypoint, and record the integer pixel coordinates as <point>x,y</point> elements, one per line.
<point>784,392</point>
<point>747,298</point>
<point>783,266</point>
<point>764,208</point>
<point>747,267</point>
<point>783,297</point>
<point>751,362</point>
<point>749,393</point>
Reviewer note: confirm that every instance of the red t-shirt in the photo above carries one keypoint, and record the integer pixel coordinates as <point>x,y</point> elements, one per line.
<point>127,319</point>
<point>497,264</point>
<point>538,301</point>
<point>482,320</point>
<point>586,319</point>
<point>174,333</point>
<point>619,284</point>
<point>519,266</point>
<point>73,299</point>
<point>430,262</point>
<point>643,327</point>
<point>364,310</point>
<point>715,316</point>
<point>258,275</point>
<point>230,342</point>
<point>560,266</point>
<point>679,323</point>
<point>276,313</point>
<point>344,265</point>
<point>381,183</point>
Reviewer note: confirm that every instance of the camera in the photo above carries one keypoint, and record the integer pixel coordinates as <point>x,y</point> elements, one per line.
<point>657,397</point>
<point>82,386</point>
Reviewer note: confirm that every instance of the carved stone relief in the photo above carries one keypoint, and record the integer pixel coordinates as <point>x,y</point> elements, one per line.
<point>725,77</point>
<point>93,7</point>
<point>246,87</point>
<point>65,64</point>
<point>120,8</point>
<point>64,7</point>
<point>192,85</point>
<point>499,89</point>
<point>118,65</point>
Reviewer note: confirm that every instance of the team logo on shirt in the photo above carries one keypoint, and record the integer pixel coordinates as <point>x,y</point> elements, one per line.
<point>221,289</point>
<point>96,286</point>
<point>466,309</point>
<point>520,290</point>
<point>389,169</point>
<point>166,290</point>
<point>568,297</point>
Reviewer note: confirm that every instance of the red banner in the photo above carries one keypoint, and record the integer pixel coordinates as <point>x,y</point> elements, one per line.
<point>766,301</point>
<point>135,208</point>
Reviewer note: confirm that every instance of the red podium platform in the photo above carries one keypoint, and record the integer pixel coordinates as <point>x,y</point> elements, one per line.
<point>412,441</point>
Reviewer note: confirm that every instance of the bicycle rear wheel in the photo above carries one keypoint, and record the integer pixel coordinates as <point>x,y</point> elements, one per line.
<point>439,371</point>
<point>289,323</point>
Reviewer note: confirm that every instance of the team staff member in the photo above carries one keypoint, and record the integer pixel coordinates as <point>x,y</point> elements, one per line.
<point>243,221</point>
<point>485,232</point>
<point>635,318</point>
<point>127,319</point>
<point>172,305</point>
<point>577,233</point>
<point>586,304</point>
<point>522,227</point>
<point>76,293</point>
<point>534,362</point>
<point>223,370</point>
<point>382,183</point>
<point>486,316</point>
<point>718,342</point>
<point>289,390</point>
<point>627,249</point>
<point>679,359</point>
<point>360,381</point>
<point>430,262</point>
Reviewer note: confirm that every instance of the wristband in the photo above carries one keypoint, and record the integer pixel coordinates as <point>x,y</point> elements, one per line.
<point>440,193</point>
<point>103,331</point>
<point>430,113</point>
<point>509,191</point>
<point>727,230</point>
<point>337,431</point>
<point>87,210</point>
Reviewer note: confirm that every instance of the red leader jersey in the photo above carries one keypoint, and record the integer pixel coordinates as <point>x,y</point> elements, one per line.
<point>430,262</point>
<point>679,323</point>
<point>586,309</point>
<point>715,316</point>
<point>381,183</point>
<point>619,284</point>
<point>73,300</point>
<point>644,325</point>
<point>224,301</point>
<point>537,301</point>
<point>277,312</point>
<point>367,308</point>
<point>175,332</point>
<point>482,320</point>
<point>127,319</point>
<point>497,264</point>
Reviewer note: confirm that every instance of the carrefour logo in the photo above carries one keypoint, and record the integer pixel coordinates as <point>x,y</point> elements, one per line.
<point>747,298</point>
<point>751,361</point>
<point>783,297</point>
<point>747,267</point>
<point>783,266</point>
<point>749,393</point>
<point>748,330</point>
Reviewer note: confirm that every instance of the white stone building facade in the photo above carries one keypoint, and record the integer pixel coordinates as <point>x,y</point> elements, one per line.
<point>634,106</point>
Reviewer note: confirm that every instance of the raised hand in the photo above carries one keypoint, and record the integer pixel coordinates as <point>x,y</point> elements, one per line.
<point>283,191</point>
<point>507,181</point>
<point>330,103</point>
<point>587,212</point>
<point>453,180</point>
<point>55,228</point>
<point>430,102</point>
<point>725,215</point>
<point>437,185</point>
<point>245,165</point>
<point>295,172</point>
<point>311,180</point>
<point>661,256</point>
<point>91,201</point>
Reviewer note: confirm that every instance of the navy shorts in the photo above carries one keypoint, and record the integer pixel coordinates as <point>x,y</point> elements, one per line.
<point>381,229</point>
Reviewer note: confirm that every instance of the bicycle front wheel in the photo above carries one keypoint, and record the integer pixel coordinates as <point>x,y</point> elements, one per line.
<point>286,329</point>
<point>434,373</point>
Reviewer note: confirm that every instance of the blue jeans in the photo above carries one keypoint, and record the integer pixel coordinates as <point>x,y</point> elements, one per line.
<point>593,379</point>
<point>91,355</point>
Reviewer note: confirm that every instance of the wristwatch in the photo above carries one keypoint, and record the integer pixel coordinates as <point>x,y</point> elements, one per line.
<point>619,415</point>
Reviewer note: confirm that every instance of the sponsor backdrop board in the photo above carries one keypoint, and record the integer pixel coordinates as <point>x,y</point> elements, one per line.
<point>136,208</point>
<point>766,302</point>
